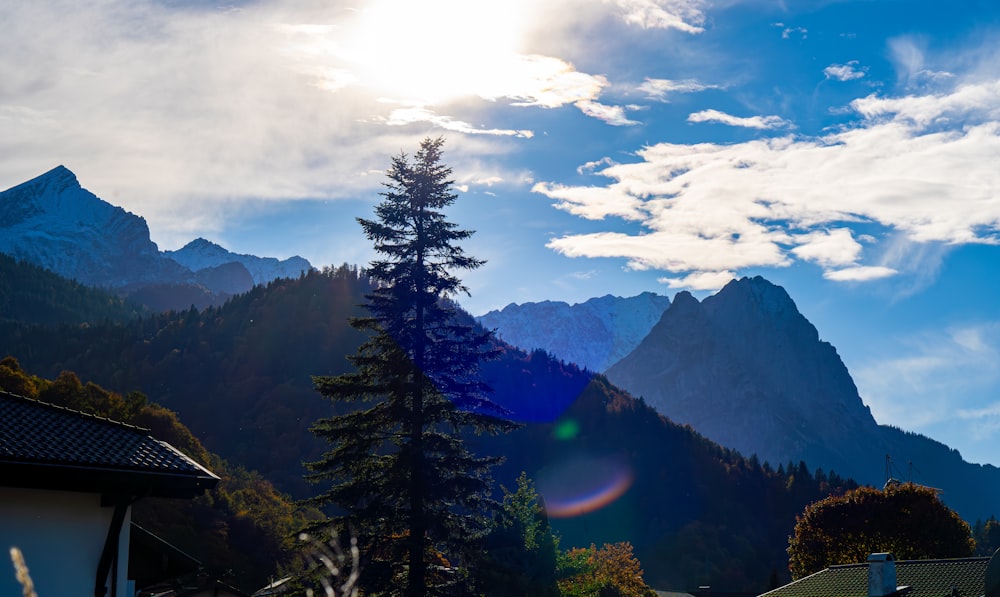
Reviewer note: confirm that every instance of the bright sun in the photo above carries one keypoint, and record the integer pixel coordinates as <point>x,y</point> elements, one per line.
<point>432,51</point>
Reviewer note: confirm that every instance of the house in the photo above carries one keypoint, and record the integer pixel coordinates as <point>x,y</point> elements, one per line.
<point>883,576</point>
<point>67,483</point>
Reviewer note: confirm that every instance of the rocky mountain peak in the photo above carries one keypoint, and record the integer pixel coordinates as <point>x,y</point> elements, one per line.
<point>203,244</point>
<point>746,369</point>
<point>754,295</point>
<point>58,178</point>
<point>684,301</point>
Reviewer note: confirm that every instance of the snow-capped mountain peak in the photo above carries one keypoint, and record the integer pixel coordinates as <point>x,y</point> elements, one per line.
<point>53,222</point>
<point>593,334</point>
<point>201,254</point>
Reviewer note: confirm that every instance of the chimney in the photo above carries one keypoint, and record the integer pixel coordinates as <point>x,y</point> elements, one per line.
<point>881,575</point>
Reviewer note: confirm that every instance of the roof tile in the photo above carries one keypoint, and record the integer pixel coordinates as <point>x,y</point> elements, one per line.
<point>925,578</point>
<point>39,433</point>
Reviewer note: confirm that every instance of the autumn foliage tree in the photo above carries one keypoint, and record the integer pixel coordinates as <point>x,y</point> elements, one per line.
<point>907,520</point>
<point>406,486</point>
<point>611,571</point>
<point>987,536</point>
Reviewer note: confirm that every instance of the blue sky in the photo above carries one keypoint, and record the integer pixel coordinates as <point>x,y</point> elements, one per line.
<point>846,150</point>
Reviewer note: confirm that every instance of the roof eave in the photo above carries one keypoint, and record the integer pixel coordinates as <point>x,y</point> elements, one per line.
<point>105,480</point>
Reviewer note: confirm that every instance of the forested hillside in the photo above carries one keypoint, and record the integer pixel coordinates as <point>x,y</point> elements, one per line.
<point>32,294</point>
<point>240,376</point>
<point>241,531</point>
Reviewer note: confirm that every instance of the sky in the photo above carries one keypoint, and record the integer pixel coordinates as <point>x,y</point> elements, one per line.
<point>848,151</point>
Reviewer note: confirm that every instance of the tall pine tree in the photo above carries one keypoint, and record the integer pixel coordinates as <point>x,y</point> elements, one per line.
<point>410,491</point>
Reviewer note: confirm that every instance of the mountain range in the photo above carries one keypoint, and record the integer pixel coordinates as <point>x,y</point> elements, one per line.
<point>53,222</point>
<point>745,368</point>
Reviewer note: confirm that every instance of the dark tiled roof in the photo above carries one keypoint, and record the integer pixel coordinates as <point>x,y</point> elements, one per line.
<point>925,578</point>
<point>44,445</point>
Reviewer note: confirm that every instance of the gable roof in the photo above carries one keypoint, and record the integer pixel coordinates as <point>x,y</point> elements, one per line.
<point>44,446</point>
<point>924,578</point>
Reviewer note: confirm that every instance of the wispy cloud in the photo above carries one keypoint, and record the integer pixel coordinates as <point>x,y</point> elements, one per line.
<point>919,168</point>
<point>787,32</point>
<point>861,273</point>
<point>661,89</point>
<point>945,372</point>
<point>909,57</point>
<point>591,166</point>
<point>182,110</point>
<point>751,122</point>
<point>413,114</point>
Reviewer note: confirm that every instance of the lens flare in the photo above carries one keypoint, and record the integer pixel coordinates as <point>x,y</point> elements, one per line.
<point>566,430</point>
<point>583,485</point>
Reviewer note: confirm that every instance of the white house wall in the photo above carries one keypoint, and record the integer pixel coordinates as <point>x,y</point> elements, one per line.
<point>62,535</point>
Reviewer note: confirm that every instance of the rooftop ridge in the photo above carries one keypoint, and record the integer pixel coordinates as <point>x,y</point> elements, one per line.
<point>75,412</point>
<point>898,562</point>
<point>141,455</point>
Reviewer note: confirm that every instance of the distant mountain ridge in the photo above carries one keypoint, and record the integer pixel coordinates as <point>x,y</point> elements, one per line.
<point>53,222</point>
<point>593,334</point>
<point>201,254</point>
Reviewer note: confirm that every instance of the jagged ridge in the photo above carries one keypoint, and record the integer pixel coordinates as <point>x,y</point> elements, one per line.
<point>593,334</point>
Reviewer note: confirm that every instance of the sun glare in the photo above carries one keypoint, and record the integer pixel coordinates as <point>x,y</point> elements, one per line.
<point>435,50</point>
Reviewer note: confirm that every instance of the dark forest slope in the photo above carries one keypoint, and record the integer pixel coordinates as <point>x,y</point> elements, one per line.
<point>240,377</point>
<point>32,294</point>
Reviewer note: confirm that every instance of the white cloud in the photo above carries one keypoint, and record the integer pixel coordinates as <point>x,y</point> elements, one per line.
<point>752,122</point>
<point>829,248</point>
<point>683,15</point>
<point>613,115</point>
<point>413,114</point>
<point>593,203</point>
<point>974,102</point>
<point>917,170</point>
<point>700,280</point>
<point>844,72</point>
<point>861,273</point>
<point>676,251</point>
<point>592,166</point>
<point>659,89</point>
<point>547,82</point>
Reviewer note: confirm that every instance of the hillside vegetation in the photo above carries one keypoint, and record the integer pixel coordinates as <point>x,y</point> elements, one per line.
<point>241,530</point>
<point>239,376</point>
<point>32,294</point>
